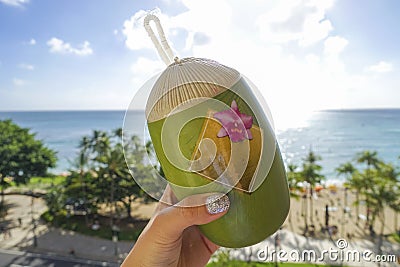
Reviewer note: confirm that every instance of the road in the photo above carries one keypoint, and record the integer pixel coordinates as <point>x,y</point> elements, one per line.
<point>49,239</point>
<point>12,258</point>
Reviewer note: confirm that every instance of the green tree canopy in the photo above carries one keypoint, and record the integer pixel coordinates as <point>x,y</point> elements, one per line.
<point>22,155</point>
<point>311,173</point>
<point>293,177</point>
<point>368,157</point>
<point>347,169</point>
<point>101,174</point>
<point>311,169</point>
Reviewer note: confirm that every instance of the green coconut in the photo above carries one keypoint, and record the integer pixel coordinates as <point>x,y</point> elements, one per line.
<point>180,113</point>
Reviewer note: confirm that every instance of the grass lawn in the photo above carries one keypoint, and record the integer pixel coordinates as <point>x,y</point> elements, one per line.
<point>130,230</point>
<point>42,183</point>
<point>47,181</point>
<point>259,264</point>
<point>395,237</point>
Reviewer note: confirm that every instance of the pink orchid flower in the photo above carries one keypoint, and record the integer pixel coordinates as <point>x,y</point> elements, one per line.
<point>236,125</point>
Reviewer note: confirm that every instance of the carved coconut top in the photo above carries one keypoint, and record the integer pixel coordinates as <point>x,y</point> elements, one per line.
<point>187,79</point>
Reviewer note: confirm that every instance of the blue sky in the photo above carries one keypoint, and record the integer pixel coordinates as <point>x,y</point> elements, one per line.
<point>302,54</point>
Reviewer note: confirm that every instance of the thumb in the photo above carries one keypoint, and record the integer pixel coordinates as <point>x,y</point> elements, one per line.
<point>193,210</point>
<point>163,238</point>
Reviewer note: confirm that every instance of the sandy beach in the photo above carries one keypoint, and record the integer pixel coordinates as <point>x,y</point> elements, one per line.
<point>349,224</point>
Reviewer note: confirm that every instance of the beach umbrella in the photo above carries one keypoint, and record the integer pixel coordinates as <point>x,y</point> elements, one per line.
<point>212,132</point>
<point>318,188</point>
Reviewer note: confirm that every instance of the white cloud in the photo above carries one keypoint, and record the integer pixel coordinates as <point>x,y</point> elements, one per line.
<point>196,38</point>
<point>145,66</point>
<point>26,66</point>
<point>15,3</point>
<point>143,69</point>
<point>136,36</point>
<point>19,82</point>
<point>303,21</point>
<point>285,47</point>
<point>190,22</point>
<point>32,41</point>
<point>334,45</point>
<point>234,37</point>
<point>381,67</point>
<point>59,46</point>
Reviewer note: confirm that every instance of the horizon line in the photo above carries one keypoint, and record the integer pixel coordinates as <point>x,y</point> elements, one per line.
<point>142,110</point>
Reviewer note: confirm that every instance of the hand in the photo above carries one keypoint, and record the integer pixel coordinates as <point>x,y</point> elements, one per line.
<point>171,238</point>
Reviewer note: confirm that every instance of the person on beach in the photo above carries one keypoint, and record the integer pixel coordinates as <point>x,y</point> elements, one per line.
<point>171,238</point>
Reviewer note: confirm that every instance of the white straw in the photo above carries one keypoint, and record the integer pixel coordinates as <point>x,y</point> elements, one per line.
<point>161,44</point>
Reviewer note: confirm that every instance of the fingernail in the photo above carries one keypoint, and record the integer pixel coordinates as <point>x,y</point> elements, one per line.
<point>217,203</point>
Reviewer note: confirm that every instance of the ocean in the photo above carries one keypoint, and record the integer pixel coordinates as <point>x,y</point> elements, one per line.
<point>335,135</point>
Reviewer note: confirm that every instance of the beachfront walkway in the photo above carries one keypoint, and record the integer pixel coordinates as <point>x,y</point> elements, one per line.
<point>52,240</point>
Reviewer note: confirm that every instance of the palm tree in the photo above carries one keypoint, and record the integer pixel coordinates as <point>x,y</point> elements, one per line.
<point>347,169</point>
<point>356,182</point>
<point>311,175</point>
<point>368,157</point>
<point>149,148</point>
<point>100,145</point>
<point>293,182</point>
<point>371,159</point>
<point>395,206</point>
<point>100,148</point>
<point>293,179</point>
<point>84,146</point>
<point>101,175</point>
<point>382,194</point>
<point>389,172</point>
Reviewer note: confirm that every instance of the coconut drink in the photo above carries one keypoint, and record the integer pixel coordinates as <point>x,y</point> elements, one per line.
<point>212,132</point>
